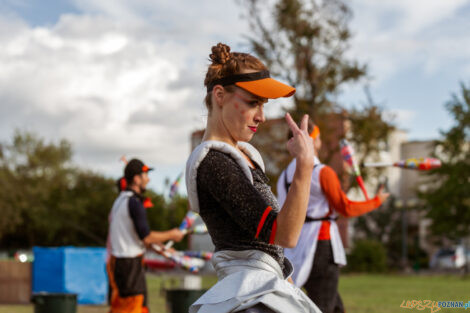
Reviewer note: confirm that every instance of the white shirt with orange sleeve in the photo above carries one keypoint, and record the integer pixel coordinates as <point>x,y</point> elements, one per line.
<point>337,198</point>
<point>326,200</point>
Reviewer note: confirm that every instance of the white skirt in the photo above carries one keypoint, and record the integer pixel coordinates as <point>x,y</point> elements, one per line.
<point>247,278</point>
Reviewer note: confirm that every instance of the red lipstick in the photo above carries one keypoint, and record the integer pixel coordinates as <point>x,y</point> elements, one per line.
<point>253,128</point>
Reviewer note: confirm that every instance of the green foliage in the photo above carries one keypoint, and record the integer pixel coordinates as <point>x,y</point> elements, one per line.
<point>47,201</point>
<point>168,214</point>
<point>34,178</point>
<point>384,225</point>
<point>447,199</point>
<point>85,217</point>
<point>367,256</point>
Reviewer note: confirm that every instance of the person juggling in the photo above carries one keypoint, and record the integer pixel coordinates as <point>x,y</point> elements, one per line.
<point>319,251</point>
<point>128,236</point>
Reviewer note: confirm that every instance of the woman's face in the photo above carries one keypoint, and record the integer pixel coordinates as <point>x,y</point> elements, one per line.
<point>242,113</point>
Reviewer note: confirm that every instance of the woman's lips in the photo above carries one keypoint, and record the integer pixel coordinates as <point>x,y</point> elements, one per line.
<point>253,128</point>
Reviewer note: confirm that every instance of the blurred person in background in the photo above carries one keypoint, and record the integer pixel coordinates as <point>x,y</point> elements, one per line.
<point>128,236</point>
<point>319,252</point>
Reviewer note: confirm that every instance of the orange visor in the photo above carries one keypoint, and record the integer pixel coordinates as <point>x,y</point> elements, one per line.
<point>258,83</point>
<point>315,132</point>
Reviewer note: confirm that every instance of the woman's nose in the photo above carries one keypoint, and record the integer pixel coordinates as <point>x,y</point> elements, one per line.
<point>259,116</point>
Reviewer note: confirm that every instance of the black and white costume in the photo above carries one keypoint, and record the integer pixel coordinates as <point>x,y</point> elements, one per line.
<point>240,212</point>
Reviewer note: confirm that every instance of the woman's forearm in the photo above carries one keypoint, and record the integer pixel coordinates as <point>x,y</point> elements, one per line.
<point>292,216</point>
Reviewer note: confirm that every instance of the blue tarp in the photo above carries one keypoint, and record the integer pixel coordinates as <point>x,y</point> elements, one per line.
<point>71,270</point>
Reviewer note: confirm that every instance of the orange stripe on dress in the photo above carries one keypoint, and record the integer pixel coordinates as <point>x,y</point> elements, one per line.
<point>263,219</point>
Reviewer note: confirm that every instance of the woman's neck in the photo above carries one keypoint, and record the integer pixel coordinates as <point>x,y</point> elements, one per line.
<point>220,134</point>
<point>215,130</point>
<point>208,135</point>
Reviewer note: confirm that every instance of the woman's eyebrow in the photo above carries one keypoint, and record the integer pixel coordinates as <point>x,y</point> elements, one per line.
<point>251,98</point>
<point>247,98</point>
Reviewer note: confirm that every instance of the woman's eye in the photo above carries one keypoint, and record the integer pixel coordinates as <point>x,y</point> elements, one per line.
<point>253,103</point>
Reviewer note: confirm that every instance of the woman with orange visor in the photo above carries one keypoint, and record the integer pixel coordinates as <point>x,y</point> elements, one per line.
<point>228,187</point>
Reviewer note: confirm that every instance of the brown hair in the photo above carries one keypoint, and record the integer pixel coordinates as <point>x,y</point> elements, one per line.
<point>226,63</point>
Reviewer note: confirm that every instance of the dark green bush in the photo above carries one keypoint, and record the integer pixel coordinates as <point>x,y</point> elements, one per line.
<point>367,256</point>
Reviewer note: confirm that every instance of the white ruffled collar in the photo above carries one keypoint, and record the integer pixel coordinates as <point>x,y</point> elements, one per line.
<point>200,152</point>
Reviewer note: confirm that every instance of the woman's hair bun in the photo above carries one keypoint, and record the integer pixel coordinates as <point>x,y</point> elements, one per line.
<point>220,54</point>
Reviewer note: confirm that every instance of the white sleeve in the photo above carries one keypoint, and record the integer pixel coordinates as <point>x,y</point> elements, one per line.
<point>281,189</point>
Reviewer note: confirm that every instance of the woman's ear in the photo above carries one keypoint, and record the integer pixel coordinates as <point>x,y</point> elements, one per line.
<point>218,93</point>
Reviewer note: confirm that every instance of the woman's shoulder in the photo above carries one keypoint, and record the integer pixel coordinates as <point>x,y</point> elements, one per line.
<point>216,159</point>
<point>214,151</point>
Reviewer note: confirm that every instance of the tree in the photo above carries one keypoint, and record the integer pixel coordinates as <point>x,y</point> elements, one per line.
<point>305,42</point>
<point>167,214</point>
<point>447,199</point>
<point>385,226</point>
<point>32,173</point>
<point>47,201</point>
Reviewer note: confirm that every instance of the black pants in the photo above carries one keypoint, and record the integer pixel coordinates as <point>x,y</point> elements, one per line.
<point>322,284</point>
<point>127,276</point>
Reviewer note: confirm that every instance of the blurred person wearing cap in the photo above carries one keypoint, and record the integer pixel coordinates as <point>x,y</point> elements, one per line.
<point>227,186</point>
<point>128,236</point>
<point>320,252</point>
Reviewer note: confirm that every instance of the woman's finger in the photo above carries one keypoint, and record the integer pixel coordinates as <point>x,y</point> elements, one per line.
<point>304,123</point>
<point>292,125</point>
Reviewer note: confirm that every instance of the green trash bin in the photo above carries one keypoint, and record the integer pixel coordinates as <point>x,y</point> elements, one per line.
<point>179,300</point>
<point>45,302</point>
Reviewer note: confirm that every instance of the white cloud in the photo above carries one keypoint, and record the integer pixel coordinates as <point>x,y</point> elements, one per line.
<point>125,77</point>
<point>112,81</point>
<point>407,17</point>
<point>391,36</point>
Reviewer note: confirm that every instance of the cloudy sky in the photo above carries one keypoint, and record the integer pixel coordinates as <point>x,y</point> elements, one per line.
<point>119,77</point>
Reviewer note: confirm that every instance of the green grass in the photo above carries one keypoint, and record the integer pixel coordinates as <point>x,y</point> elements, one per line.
<point>360,293</point>
<point>385,293</point>
<point>158,284</point>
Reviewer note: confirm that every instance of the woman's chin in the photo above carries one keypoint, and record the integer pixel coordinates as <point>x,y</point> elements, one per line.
<point>246,138</point>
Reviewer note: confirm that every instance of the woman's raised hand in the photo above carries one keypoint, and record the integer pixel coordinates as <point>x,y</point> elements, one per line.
<point>300,146</point>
